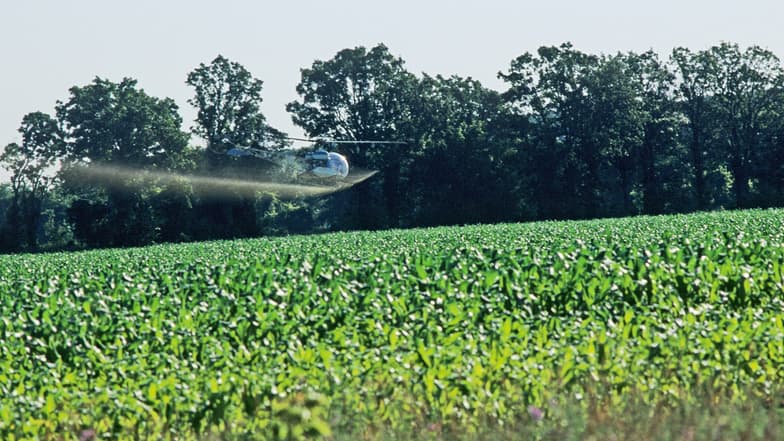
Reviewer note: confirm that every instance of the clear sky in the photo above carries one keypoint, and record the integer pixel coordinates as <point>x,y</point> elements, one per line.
<point>47,46</point>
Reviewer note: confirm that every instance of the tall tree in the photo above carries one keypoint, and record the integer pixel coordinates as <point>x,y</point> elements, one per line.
<point>551,90</point>
<point>465,171</point>
<point>636,126</point>
<point>694,97</point>
<point>361,94</point>
<point>228,103</point>
<point>771,163</point>
<point>120,125</point>
<point>659,154</point>
<point>745,86</point>
<point>30,164</point>
<point>617,118</point>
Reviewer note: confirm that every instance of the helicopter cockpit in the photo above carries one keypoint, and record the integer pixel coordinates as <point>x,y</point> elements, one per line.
<point>326,164</point>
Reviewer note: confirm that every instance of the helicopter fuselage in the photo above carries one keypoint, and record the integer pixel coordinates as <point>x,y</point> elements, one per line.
<point>319,163</point>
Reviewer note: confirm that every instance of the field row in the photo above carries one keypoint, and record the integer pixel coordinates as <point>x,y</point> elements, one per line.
<point>260,338</point>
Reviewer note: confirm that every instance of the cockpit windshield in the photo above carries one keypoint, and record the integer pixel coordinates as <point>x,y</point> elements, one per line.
<point>338,162</point>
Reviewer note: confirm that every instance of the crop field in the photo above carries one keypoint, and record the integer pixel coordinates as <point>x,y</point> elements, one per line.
<point>543,328</point>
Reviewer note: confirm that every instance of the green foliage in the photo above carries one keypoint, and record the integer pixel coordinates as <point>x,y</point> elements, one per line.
<point>461,160</point>
<point>576,135</point>
<point>460,328</point>
<point>30,165</point>
<point>362,94</point>
<point>732,101</point>
<point>744,85</point>
<point>118,123</point>
<point>228,103</point>
<point>358,94</point>
<point>300,417</point>
<point>555,89</point>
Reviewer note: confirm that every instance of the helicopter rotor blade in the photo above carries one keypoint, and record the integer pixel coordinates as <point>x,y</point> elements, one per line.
<point>335,141</point>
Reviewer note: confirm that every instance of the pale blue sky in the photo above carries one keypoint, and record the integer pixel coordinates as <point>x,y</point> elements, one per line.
<point>48,46</point>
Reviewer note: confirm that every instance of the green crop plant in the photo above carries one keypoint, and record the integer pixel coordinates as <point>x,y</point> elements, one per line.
<point>444,328</point>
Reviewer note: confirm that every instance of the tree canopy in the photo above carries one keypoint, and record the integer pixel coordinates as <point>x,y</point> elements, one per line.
<point>573,135</point>
<point>228,103</point>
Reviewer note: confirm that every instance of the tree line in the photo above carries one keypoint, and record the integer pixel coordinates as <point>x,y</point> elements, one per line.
<point>573,136</point>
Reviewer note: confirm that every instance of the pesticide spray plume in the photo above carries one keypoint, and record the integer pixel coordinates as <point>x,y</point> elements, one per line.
<point>209,186</point>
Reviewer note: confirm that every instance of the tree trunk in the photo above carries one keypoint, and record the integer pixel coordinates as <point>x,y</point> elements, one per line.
<point>31,214</point>
<point>738,169</point>
<point>625,173</point>
<point>391,194</point>
<point>650,202</point>
<point>699,167</point>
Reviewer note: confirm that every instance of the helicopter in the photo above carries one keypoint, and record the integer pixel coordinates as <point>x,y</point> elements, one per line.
<point>314,165</point>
